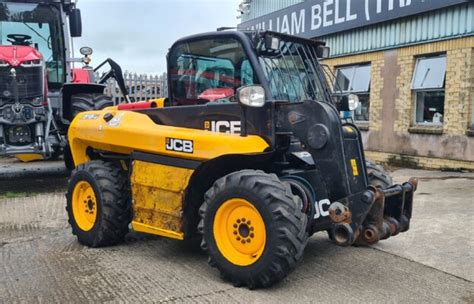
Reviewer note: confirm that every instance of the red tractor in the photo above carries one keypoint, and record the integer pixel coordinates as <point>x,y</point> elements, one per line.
<point>40,90</point>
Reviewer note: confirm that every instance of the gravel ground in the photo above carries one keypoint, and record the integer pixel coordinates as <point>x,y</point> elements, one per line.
<point>40,261</point>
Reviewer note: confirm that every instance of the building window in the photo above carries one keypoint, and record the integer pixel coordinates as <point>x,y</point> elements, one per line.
<point>428,89</point>
<point>356,79</point>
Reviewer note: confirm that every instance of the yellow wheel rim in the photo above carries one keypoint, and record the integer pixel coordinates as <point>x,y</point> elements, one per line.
<point>84,205</point>
<point>239,232</point>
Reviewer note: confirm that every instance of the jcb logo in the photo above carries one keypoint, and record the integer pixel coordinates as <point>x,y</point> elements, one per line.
<point>179,145</point>
<point>320,208</point>
<point>223,126</point>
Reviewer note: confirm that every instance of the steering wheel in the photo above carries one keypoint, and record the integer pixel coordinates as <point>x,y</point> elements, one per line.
<point>19,39</point>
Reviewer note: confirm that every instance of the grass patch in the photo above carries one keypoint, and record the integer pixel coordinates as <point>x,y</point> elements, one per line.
<point>10,194</point>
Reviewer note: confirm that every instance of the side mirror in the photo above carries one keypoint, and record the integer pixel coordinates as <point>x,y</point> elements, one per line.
<point>251,96</point>
<point>323,52</point>
<point>349,102</point>
<point>75,22</point>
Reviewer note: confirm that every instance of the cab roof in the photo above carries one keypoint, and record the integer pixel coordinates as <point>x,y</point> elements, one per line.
<point>67,4</point>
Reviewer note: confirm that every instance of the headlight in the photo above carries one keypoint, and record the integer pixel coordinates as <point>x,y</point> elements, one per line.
<point>3,63</point>
<point>86,51</point>
<point>252,96</point>
<point>8,113</point>
<point>31,63</point>
<point>353,102</point>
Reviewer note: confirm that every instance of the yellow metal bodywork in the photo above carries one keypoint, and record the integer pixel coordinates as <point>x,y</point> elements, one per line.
<point>157,190</point>
<point>160,102</point>
<point>28,157</point>
<point>158,195</point>
<point>130,131</point>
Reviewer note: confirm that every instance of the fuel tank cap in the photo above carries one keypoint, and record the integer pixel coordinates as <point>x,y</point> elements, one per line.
<point>318,136</point>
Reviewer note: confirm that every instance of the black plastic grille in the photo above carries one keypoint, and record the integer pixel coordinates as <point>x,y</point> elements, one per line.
<point>29,80</point>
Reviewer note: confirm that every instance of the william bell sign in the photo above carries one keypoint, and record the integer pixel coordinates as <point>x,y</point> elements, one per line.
<point>313,18</point>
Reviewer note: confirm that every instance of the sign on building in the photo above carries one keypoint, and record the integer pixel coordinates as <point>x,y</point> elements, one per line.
<point>313,18</point>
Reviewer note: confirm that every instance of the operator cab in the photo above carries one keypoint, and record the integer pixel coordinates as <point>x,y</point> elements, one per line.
<point>208,72</point>
<point>204,67</point>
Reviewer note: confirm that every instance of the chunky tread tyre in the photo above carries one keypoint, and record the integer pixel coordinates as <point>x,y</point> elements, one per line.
<point>285,227</point>
<point>89,102</point>
<point>81,103</point>
<point>68,160</point>
<point>377,175</point>
<point>113,203</point>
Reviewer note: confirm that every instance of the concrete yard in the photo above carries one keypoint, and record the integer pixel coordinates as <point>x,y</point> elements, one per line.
<point>40,260</point>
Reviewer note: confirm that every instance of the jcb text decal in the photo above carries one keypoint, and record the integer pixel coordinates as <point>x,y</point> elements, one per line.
<point>320,208</point>
<point>223,126</point>
<point>179,145</point>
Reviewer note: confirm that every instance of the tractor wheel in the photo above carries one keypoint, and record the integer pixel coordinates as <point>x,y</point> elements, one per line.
<point>377,175</point>
<point>98,204</point>
<point>89,102</point>
<point>253,228</point>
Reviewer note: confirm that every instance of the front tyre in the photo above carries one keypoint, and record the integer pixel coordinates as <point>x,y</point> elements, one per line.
<point>98,204</point>
<point>253,228</point>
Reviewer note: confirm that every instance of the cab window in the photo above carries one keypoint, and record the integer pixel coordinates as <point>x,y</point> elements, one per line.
<point>38,26</point>
<point>208,71</point>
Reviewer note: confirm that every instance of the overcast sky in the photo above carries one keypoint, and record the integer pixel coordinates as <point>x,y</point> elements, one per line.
<point>138,33</point>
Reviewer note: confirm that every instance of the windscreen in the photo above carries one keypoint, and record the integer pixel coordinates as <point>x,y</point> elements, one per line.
<point>41,27</point>
<point>292,71</point>
<point>208,70</point>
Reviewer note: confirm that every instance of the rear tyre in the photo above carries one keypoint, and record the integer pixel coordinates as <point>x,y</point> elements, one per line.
<point>377,175</point>
<point>81,103</point>
<point>68,160</point>
<point>253,229</point>
<point>89,102</point>
<point>98,204</point>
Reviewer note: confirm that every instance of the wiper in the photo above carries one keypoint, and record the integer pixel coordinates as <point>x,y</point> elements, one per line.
<point>200,58</point>
<point>35,32</point>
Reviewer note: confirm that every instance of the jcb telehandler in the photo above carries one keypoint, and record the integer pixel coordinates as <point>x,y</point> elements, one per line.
<point>248,150</point>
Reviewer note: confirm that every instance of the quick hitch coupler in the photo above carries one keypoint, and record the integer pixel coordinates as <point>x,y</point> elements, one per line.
<point>372,215</point>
